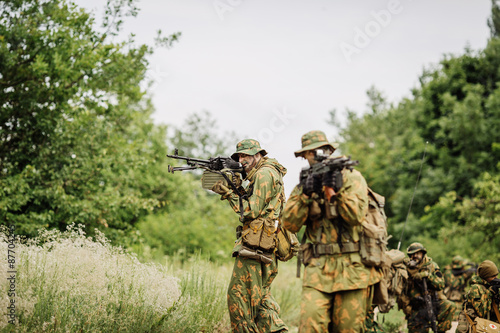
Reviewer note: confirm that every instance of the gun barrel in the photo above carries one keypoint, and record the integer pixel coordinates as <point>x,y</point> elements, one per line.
<point>172,169</point>
<point>189,159</point>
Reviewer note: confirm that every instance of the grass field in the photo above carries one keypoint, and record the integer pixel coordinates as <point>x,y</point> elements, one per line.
<point>67,282</point>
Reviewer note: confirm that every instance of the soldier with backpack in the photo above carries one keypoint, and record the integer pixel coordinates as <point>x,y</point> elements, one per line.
<point>337,286</point>
<point>252,308</point>
<point>480,311</point>
<point>423,301</point>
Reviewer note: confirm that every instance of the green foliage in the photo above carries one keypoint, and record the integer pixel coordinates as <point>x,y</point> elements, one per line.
<point>77,140</point>
<point>196,222</point>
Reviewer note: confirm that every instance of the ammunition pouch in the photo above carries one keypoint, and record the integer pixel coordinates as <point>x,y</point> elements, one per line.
<point>288,244</point>
<point>260,234</point>
<point>264,257</point>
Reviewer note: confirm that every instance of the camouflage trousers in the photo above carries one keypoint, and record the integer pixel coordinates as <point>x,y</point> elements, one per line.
<point>252,308</point>
<point>418,323</point>
<point>342,311</point>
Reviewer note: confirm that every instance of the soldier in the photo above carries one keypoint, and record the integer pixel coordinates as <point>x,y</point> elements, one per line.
<point>252,308</point>
<point>456,278</point>
<point>337,287</point>
<point>482,299</point>
<point>423,272</point>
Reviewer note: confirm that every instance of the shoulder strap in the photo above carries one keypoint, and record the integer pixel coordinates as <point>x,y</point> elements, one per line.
<point>495,307</point>
<point>471,323</point>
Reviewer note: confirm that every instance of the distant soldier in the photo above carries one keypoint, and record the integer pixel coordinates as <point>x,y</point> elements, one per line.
<point>252,308</point>
<point>456,279</point>
<point>337,287</point>
<point>424,274</point>
<point>482,299</point>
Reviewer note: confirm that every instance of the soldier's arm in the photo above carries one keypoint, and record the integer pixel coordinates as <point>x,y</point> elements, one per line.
<point>265,197</point>
<point>352,198</point>
<point>436,278</point>
<point>296,210</point>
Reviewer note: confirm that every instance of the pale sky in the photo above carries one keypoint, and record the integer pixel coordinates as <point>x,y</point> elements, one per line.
<point>273,69</point>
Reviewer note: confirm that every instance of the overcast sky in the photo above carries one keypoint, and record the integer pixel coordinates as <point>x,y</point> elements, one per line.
<point>273,69</point>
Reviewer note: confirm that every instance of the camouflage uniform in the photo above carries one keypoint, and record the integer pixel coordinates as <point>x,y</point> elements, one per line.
<point>336,289</point>
<point>456,283</point>
<point>252,308</point>
<point>480,297</point>
<point>412,300</point>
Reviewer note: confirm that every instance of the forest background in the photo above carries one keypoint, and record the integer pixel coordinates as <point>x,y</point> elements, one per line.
<point>79,146</point>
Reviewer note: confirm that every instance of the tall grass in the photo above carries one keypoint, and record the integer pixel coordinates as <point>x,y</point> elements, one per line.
<point>68,282</point>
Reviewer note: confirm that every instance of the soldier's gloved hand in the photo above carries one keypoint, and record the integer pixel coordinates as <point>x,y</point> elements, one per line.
<point>237,181</point>
<point>421,275</point>
<point>312,184</point>
<point>221,189</point>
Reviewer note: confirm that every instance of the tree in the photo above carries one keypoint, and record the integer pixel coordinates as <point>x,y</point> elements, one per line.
<point>199,137</point>
<point>77,140</point>
<point>494,20</point>
<point>454,116</point>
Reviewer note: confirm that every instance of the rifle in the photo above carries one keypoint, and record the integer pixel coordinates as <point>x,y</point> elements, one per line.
<point>327,164</point>
<point>431,316</point>
<point>472,269</point>
<point>219,166</point>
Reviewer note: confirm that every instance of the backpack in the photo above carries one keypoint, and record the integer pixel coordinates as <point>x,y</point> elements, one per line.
<point>373,237</point>
<point>394,279</point>
<point>374,253</point>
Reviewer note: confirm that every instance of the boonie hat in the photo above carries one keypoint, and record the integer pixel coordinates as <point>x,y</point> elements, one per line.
<point>415,247</point>
<point>249,147</point>
<point>313,140</point>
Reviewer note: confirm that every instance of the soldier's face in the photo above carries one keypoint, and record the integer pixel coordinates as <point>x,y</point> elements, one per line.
<point>309,156</point>
<point>417,256</point>
<point>249,161</point>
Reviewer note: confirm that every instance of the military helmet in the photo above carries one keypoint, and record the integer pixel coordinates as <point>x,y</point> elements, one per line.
<point>487,269</point>
<point>415,247</point>
<point>313,140</point>
<point>457,262</point>
<point>249,147</point>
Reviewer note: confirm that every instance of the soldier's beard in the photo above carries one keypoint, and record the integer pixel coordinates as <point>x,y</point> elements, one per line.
<point>414,263</point>
<point>249,166</point>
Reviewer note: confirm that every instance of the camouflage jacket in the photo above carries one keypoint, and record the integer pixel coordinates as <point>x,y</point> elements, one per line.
<point>454,284</point>
<point>341,271</point>
<point>479,299</point>
<point>412,298</point>
<point>265,189</point>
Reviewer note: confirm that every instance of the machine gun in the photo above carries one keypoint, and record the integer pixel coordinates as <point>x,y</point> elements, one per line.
<point>429,307</point>
<point>215,169</point>
<point>327,164</point>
